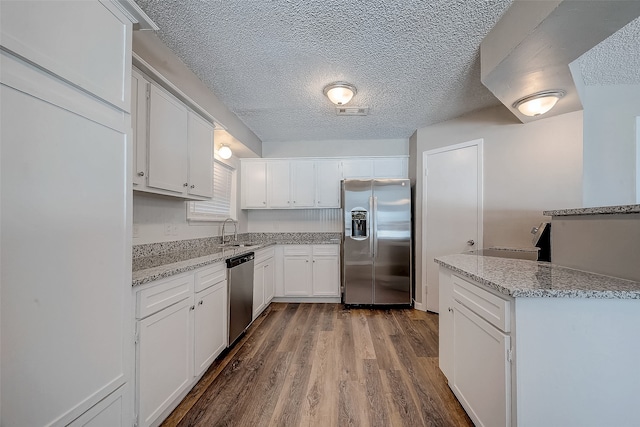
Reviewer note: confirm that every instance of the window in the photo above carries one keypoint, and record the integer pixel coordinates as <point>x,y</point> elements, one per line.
<point>222,205</point>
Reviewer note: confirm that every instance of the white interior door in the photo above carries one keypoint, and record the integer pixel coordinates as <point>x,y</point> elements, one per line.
<point>452,220</point>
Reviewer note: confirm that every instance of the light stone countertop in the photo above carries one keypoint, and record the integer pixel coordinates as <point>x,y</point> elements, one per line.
<point>533,279</point>
<point>173,258</point>
<point>604,210</point>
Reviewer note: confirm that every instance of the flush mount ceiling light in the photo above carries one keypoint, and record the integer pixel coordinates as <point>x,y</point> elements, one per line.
<point>224,151</point>
<point>538,103</point>
<point>340,92</point>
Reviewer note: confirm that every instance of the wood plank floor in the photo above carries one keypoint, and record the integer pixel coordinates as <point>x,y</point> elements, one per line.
<point>326,365</point>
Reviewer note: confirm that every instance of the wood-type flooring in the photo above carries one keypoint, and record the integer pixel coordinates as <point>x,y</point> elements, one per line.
<point>327,365</point>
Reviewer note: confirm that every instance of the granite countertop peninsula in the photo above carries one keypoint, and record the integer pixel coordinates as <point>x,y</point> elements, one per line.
<point>536,279</point>
<point>604,210</point>
<point>159,260</point>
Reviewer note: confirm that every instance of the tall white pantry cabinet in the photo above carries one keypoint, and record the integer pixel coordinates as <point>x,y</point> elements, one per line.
<point>65,180</point>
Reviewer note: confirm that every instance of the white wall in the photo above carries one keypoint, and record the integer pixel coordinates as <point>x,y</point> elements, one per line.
<point>528,168</point>
<point>610,144</point>
<point>337,148</point>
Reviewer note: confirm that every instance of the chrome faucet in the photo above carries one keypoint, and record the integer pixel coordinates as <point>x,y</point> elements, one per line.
<point>235,229</point>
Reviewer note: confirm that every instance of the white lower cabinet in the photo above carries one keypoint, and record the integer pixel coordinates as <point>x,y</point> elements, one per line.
<point>109,412</point>
<point>263,280</point>
<point>210,326</point>
<point>181,329</point>
<point>311,271</point>
<point>164,359</point>
<point>475,349</point>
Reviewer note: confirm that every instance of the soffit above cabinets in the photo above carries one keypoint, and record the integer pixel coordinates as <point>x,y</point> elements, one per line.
<point>531,47</point>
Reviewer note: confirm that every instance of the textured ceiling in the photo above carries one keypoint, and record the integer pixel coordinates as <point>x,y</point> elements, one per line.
<point>414,62</point>
<point>614,61</point>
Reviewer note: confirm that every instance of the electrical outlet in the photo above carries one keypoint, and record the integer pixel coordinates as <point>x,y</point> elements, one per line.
<point>174,230</point>
<point>167,229</point>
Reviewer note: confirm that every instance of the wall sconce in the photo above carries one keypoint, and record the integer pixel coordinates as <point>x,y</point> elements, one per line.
<point>538,103</point>
<point>225,152</point>
<point>340,92</point>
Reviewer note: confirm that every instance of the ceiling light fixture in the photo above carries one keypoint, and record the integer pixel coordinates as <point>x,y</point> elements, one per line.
<point>225,152</point>
<point>538,103</point>
<point>340,92</point>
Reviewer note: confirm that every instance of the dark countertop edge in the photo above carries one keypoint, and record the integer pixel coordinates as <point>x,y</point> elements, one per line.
<point>604,210</point>
<point>543,293</point>
<point>172,271</point>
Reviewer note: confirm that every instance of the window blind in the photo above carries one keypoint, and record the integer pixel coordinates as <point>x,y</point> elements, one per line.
<point>219,207</point>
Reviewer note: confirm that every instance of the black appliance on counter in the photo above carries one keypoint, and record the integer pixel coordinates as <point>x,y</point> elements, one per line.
<point>542,240</point>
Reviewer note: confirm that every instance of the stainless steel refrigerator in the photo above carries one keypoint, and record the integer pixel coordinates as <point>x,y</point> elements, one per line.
<point>376,249</point>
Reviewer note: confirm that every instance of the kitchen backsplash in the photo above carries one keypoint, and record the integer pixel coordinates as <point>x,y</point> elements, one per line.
<point>295,220</point>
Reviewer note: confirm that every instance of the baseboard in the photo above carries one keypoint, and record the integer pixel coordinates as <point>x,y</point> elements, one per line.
<point>307,299</point>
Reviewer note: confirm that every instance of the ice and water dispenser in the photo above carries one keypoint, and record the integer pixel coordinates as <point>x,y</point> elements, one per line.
<point>359,226</point>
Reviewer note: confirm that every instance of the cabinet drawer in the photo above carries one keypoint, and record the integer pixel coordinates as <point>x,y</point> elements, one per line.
<point>297,250</point>
<point>264,254</point>
<point>209,276</point>
<point>488,306</point>
<point>326,250</point>
<point>163,294</point>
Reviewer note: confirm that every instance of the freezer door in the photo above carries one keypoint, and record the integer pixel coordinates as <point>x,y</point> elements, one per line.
<point>392,241</point>
<point>357,262</point>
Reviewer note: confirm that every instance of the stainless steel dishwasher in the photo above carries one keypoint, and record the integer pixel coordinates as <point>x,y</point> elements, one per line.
<point>240,294</point>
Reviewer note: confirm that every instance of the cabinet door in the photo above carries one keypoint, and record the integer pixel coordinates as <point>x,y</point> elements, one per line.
<point>269,281</point>
<point>445,324</point>
<point>210,326</point>
<point>200,141</point>
<point>481,369</point>
<point>390,168</point>
<point>357,168</point>
<point>109,412</point>
<point>93,53</point>
<point>303,184</point>
<point>326,276</point>
<point>297,276</point>
<point>139,116</point>
<point>164,359</point>
<point>167,142</point>
<point>254,185</point>
<point>278,184</point>
<point>258,290</point>
<point>328,176</point>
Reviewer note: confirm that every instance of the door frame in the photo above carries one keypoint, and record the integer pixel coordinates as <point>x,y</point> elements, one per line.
<point>480,198</point>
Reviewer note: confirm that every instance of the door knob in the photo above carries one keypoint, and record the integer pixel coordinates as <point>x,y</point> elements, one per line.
<point>470,242</point>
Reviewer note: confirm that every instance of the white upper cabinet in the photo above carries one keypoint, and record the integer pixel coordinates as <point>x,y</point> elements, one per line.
<point>303,183</point>
<point>254,185</point>
<point>173,146</point>
<point>378,167</point>
<point>390,167</point>
<point>167,142</point>
<point>89,53</point>
<point>200,142</point>
<point>139,111</point>
<point>357,169</point>
<point>279,184</point>
<point>328,177</point>
<point>309,183</point>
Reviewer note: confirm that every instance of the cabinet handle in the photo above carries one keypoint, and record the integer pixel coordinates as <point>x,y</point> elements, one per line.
<point>186,184</point>
<point>264,203</point>
<point>450,309</point>
<point>193,307</point>
<point>140,173</point>
<point>201,302</point>
<point>193,186</point>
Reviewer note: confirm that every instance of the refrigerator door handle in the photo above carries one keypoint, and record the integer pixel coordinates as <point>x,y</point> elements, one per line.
<point>375,227</point>
<point>370,226</point>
